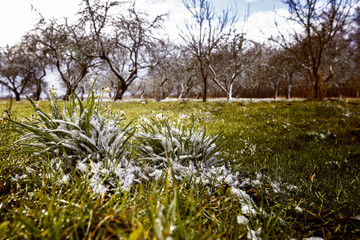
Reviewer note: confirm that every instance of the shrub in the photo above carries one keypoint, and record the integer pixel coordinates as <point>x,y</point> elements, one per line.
<point>87,138</point>
<point>188,150</point>
<point>83,136</point>
<point>79,131</point>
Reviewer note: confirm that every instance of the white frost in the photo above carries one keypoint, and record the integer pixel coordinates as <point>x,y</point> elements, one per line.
<point>241,194</point>
<point>247,209</point>
<point>242,220</point>
<point>253,235</point>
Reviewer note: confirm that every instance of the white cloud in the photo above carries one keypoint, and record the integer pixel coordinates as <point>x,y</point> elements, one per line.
<point>17,16</point>
<point>250,1</point>
<point>260,26</point>
<point>177,15</point>
<point>14,18</point>
<point>63,8</point>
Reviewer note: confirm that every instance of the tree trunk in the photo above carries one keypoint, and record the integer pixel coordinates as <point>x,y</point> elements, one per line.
<point>82,93</point>
<point>17,96</point>
<point>118,95</point>
<point>276,91</point>
<point>158,95</point>
<point>69,89</point>
<point>289,92</point>
<point>67,94</point>
<point>341,92</point>
<point>38,92</point>
<point>316,86</point>
<point>120,90</point>
<point>230,92</point>
<point>205,89</point>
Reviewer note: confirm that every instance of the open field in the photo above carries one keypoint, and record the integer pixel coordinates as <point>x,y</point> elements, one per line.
<point>299,162</point>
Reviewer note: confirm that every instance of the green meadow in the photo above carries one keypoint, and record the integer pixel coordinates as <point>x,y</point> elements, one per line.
<point>299,161</point>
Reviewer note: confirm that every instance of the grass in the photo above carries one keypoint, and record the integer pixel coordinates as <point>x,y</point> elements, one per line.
<point>313,145</point>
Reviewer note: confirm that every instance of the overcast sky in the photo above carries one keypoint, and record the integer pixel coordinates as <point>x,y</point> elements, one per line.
<point>18,16</point>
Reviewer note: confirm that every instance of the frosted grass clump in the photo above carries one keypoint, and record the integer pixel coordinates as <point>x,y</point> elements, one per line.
<point>187,149</point>
<point>80,136</point>
<point>120,175</point>
<point>79,131</point>
<point>191,153</point>
<point>192,156</point>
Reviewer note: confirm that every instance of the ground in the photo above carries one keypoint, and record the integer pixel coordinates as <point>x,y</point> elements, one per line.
<point>298,161</point>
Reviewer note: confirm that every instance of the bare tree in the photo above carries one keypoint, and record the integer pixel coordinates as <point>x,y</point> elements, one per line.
<point>282,67</point>
<point>13,74</point>
<point>343,69</point>
<point>203,35</point>
<point>187,76</point>
<point>355,49</point>
<point>320,24</point>
<point>274,79</point>
<point>161,74</point>
<point>229,62</point>
<point>67,47</point>
<point>255,73</point>
<point>173,72</point>
<point>22,70</point>
<point>37,65</point>
<point>125,49</point>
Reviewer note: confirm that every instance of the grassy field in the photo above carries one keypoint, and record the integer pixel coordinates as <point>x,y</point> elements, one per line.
<point>299,162</point>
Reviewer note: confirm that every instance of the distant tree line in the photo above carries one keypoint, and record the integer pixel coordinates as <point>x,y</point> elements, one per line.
<point>126,50</point>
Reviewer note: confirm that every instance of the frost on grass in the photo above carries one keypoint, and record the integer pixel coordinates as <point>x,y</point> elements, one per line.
<point>87,141</point>
<point>253,235</point>
<point>186,149</point>
<point>189,151</point>
<point>77,132</point>
<point>82,137</point>
<point>242,220</point>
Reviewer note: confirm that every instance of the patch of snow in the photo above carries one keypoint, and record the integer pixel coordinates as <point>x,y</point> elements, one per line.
<point>81,166</point>
<point>64,180</point>
<point>160,117</point>
<point>241,194</point>
<point>299,209</point>
<point>248,209</point>
<point>18,177</point>
<point>242,220</point>
<point>253,235</point>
